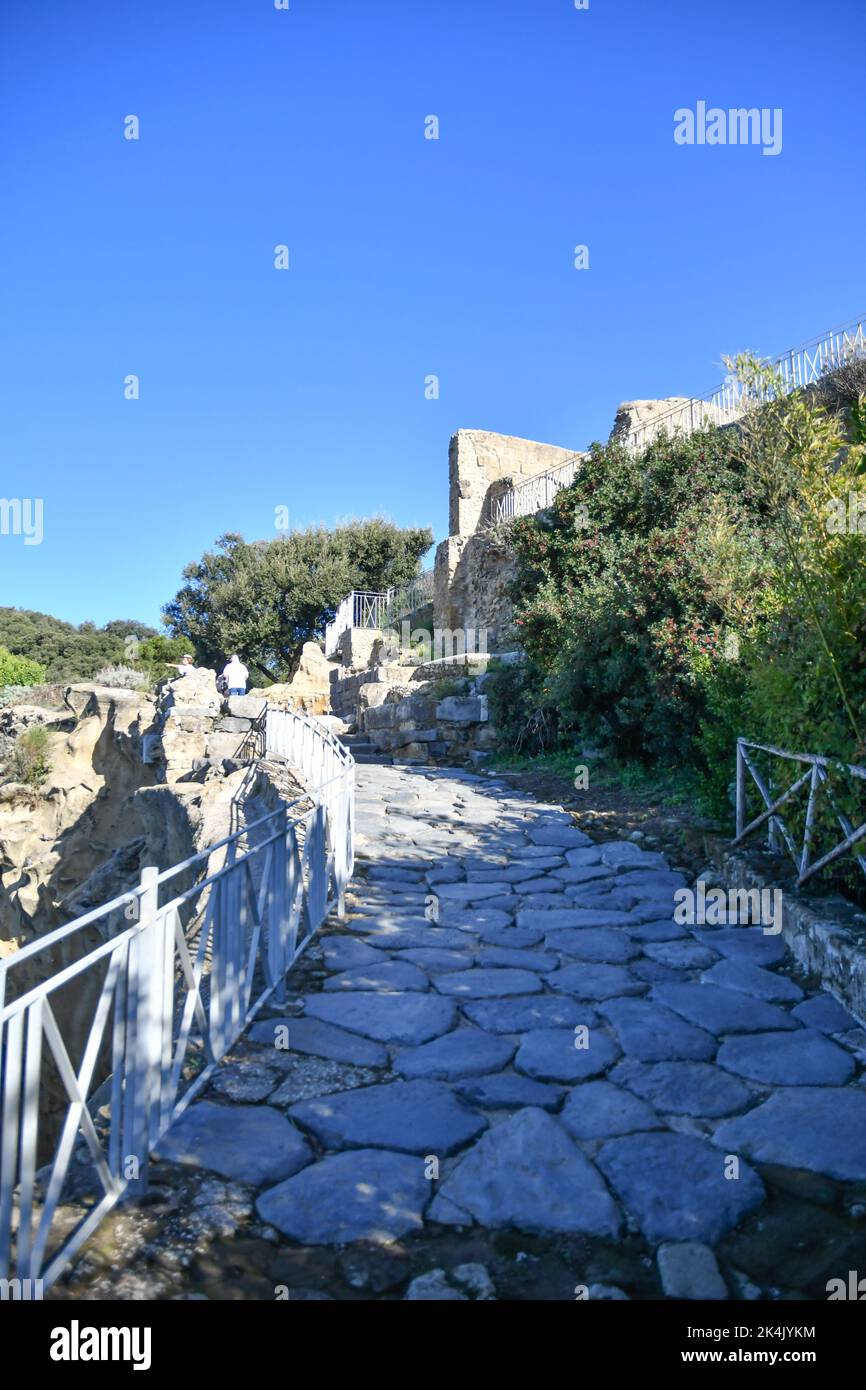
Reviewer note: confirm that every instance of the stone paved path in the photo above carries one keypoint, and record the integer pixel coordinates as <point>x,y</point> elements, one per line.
<point>509,1031</point>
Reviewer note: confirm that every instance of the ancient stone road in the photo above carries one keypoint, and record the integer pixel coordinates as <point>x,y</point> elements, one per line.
<point>551,1053</point>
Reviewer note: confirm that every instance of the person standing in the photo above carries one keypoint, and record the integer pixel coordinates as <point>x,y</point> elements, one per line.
<point>236,675</point>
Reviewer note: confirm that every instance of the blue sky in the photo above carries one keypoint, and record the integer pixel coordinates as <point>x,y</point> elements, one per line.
<point>408,257</point>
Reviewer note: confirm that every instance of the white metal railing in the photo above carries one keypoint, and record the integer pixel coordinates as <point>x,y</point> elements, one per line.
<point>817,779</point>
<point>798,367</point>
<point>187,959</point>
<point>376,611</point>
<point>534,494</point>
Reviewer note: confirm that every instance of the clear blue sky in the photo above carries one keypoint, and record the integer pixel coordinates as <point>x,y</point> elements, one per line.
<point>409,257</point>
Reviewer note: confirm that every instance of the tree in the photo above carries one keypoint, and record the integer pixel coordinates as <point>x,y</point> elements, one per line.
<point>264,599</point>
<point>68,653</point>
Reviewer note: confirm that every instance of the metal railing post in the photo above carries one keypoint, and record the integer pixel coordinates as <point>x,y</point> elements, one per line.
<point>741,788</point>
<point>143,1037</point>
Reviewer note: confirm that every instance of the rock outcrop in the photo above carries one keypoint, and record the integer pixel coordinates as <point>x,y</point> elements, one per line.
<point>309,690</point>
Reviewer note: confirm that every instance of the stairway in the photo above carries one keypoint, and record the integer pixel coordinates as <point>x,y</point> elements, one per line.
<point>363,751</point>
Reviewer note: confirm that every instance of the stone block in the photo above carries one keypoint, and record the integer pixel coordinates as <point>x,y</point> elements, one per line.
<point>220,745</point>
<point>462,709</point>
<point>233,725</point>
<point>382,718</point>
<point>245,706</point>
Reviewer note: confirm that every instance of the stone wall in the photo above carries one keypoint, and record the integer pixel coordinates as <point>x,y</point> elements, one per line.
<point>415,725</point>
<point>478,460</point>
<point>472,570</point>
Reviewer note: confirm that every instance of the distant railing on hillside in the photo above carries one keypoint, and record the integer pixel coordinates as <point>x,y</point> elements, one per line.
<point>186,960</point>
<point>798,367</point>
<point>377,611</point>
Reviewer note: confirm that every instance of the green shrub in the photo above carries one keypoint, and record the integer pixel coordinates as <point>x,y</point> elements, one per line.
<point>19,670</point>
<point>30,758</point>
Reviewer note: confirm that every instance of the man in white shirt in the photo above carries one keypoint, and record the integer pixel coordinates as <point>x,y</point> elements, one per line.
<point>236,675</point>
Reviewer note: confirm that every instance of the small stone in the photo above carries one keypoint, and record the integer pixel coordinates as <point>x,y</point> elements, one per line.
<point>607,1293</point>
<point>688,1269</point>
<point>433,1286</point>
<point>476,1280</point>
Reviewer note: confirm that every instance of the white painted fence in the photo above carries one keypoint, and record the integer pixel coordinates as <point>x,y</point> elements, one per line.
<point>186,960</point>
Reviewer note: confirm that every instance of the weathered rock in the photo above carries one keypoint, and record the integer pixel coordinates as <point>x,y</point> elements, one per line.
<point>386,977</point>
<point>684,1088</point>
<point>397,1018</point>
<point>313,1037</point>
<point>804,1058</point>
<point>368,1194</point>
<point>433,1286</point>
<point>250,1143</point>
<point>423,1117</point>
<point>465,1052</point>
<point>652,1033</point>
<point>595,944</point>
<point>689,1269</point>
<point>825,1013</point>
<point>751,944</point>
<point>527,1173</point>
<point>598,1110</point>
<point>755,980</point>
<point>521,1014</point>
<point>507,1091</point>
<point>822,1129</point>
<point>488,984</point>
<point>723,1010</point>
<point>552,1054</point>
<point>675,1187</point>
<point>588,981</point>
<point>344,953</point>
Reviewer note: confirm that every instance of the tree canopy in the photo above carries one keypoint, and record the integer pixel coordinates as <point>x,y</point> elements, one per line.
<point>66,652</point>
<point>264,599</point>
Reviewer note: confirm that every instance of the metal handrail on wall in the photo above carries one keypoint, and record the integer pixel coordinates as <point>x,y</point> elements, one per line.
<point>170,993</point>
<point>798,367</point>
<point>377,611</point>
